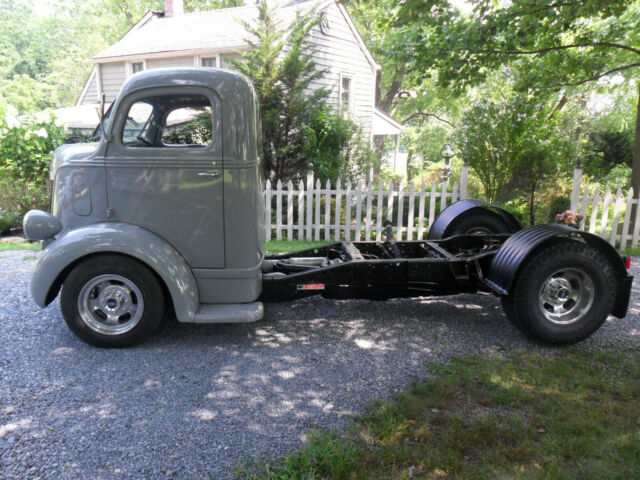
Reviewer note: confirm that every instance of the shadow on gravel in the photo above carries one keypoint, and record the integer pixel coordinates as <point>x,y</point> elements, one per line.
<point>194,398</point>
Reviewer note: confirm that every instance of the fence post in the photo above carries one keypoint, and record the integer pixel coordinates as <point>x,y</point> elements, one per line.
<point>575,190</point>
<point>309,187</point>
<point>464,176</point>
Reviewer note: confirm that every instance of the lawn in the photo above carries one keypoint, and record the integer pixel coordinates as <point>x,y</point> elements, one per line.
<point>565,414</point>
<point>284,246</point>
<point>19,246</point>
<point>272,247</point>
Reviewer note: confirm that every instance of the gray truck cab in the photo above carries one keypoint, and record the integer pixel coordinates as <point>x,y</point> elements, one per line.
<point>166,206</point>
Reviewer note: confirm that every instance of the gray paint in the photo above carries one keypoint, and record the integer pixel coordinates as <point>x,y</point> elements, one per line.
<point>39,225</point>
<point>81,195</point>
<point>151,203</point>
<point>169,191</point>
<point>118,238</point>
<point>248,312</point>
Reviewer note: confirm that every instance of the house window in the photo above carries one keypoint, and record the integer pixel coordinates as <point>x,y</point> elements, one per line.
<point>345,94</point>
<point>137,67</point>
<point>209,62</point>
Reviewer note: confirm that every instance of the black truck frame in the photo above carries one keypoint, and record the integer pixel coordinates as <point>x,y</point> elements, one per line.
<point>556,283</point>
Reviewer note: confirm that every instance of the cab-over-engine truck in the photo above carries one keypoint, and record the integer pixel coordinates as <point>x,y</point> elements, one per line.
<point>151,219</point>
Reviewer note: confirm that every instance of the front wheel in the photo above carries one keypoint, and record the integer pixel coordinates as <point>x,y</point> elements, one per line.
<point>563,294</point>
<point>112,301</point>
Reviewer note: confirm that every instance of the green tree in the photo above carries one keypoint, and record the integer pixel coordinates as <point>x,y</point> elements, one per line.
<point>426,111</point>
<point>513,147</point>
<point>544,44</point>
<point>282,69</point>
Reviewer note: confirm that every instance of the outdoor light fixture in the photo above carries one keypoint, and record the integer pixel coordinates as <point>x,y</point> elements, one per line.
<point>447,152</point>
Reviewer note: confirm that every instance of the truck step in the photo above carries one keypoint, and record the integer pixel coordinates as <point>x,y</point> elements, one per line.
<point>229,313</point>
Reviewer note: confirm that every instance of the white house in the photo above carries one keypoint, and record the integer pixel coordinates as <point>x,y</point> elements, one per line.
<point>174,39</point>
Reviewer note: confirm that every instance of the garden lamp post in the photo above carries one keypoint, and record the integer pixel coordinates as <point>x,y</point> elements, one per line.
<point>447,152</point>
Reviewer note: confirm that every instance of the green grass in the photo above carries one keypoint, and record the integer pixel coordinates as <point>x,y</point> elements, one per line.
<point>284,246</point>
<point>563,415</point>
<point>19,246</point>
<point>632,252</point>
<point>272,246</point>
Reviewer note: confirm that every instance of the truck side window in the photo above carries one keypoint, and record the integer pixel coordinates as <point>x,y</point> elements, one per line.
<point>170,121</point>
<point>187,126</point>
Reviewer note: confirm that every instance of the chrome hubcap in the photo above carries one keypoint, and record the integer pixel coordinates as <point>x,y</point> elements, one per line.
<point>110,304</point>
<point>566,296</point>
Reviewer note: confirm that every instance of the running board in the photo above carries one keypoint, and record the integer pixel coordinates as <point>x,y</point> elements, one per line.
<point>229,313</point>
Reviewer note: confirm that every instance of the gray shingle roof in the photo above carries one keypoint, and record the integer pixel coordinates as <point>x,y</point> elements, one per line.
<point>213,30</point>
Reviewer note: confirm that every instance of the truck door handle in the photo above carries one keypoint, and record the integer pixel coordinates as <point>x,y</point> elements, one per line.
<point>208,174</point>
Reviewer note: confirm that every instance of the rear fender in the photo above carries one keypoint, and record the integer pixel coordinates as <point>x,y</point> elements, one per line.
<point>515,252</point>
<point>123,238</point>
<point>439,228</point>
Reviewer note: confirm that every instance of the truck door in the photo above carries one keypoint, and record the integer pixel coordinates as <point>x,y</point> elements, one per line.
<point>165,170</point>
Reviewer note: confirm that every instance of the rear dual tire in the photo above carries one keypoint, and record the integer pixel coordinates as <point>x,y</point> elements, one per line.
<point>563,294</point>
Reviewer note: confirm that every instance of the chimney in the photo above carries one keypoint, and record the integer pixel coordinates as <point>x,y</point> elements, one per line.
<point>173,8</point>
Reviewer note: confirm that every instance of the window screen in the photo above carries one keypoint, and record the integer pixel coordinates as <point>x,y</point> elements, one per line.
<point>209,62</point>
<point>345,94</point>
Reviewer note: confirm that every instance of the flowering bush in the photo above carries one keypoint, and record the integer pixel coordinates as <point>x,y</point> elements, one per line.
<point>26,144</point>
<point>569,217</point>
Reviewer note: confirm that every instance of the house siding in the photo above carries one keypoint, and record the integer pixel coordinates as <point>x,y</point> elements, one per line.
<point>339,54</point>
<point>113,76</point>
<point>224,63</point>
<point>170,62</point>
<point>91,95</point>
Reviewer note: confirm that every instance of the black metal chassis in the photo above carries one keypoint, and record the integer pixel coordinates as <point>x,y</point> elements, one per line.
<point>383,270</point>
<point>457,264</point>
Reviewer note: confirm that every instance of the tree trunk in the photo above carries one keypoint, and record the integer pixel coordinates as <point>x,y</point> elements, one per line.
<point>409,158</point>
<point>635,166</point>
<point>532,203</point>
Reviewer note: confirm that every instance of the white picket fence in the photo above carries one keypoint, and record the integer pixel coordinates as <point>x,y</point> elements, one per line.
<point>310,211</point>
<point>607,214</point>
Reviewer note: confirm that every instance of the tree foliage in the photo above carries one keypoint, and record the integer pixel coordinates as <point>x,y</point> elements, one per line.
<point>512,145</point>
<point>553,45</point>
<point>282,68</point>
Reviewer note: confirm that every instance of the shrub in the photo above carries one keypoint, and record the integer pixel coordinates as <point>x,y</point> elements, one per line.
<point>26,144</point>
<point>77,136</point>
<point>336,146</point>
<point>7,221</point>
<point>19,197</point>
<point>558,205</point>
<point>618,177</point>
<point>197,131</point>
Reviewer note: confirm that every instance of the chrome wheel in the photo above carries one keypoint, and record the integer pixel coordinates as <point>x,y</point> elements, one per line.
<point>566,296</point>
<point>110,304</point>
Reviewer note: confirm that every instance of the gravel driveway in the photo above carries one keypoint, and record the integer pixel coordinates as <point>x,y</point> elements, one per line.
<point>193,399</point>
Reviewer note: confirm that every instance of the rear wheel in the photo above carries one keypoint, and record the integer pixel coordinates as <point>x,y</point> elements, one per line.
<point>479,221</point>
<point>112,301</point>
<point>563,294</point>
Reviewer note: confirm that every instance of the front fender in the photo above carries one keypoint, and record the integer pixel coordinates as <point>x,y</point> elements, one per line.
<point>122,238</point>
